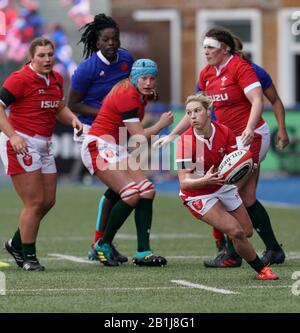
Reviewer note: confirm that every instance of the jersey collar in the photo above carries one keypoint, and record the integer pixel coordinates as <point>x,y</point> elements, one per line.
<point>103,59</point>
<point>208,141</point>
<point>45,77</point>
<point>219,69</point>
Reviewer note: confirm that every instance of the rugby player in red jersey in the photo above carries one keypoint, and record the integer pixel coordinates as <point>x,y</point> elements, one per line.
<point>204,192</point>
<point>34,95</point>
<point>237,100</point>
<point>236,91</point>
<point>106,156</point>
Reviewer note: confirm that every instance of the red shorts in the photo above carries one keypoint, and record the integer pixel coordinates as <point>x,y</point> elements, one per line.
<point>39,155</point>
<point>260,144</point>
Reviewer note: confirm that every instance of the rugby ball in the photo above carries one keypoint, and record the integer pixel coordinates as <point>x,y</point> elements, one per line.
<point>236,166</point>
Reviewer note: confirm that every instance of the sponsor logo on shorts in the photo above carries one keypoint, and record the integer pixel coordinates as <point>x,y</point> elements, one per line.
<point>197,204</point>
<point>109,153</point>
<point>27,159</point>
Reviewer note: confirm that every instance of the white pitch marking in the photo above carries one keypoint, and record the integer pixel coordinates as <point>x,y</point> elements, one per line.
<point>120,289</point>
<point>88,289</point>
<point>72,258</point>
<point>127,236</point>
<point>81,259</point>
<point>201,286</point>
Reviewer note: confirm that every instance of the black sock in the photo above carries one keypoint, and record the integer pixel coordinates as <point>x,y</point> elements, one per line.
<point>16,240</point>
<point>117,217</point>
<point>230,248</point>
<point>262,224</point>
<point>29,251</point>
<point>143,222</point>
<point>256,264</point>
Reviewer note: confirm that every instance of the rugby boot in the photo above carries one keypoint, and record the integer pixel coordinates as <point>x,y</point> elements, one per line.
<point>32,265</point>
<point>224,260</point>
<point>267,274</point>
<point>16,254</point>
<point>105,254</point>
<point>271,257</point>
<point>148,258</point>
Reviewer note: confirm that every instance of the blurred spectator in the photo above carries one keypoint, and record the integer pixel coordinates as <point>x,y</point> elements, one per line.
<point>80,13</point>
<point>22,26</point>
<point>3,4</point>
<point>65,64</point>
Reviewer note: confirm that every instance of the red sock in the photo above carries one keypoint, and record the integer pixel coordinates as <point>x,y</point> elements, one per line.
<point>218,235</point>
<point>97,235</point>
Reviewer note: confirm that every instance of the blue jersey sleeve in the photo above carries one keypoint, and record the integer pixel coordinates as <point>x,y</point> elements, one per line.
<point>263,76</point>
<point>80,79</point>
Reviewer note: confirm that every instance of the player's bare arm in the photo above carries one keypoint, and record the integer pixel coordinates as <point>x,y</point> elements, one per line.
<point>256,100</point>
<point>19,145</point>
<point>282,139</point>
<point>66,116</point>
<point>190,180</point>
<point>182,126</point>
<point>136,128</point>
<point>74,103</point>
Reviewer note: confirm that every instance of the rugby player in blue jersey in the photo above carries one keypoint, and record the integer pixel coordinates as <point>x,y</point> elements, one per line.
<point>105,64</point>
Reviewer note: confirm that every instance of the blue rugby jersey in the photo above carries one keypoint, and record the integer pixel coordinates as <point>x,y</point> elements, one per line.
<point>263,76</point>
<point>95,77</point>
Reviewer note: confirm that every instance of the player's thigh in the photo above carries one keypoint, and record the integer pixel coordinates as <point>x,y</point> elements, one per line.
<point>50,185</point>
<point>103,156</point>
<point>29,187</point>
<point>217,217</point>
<point>114,179</point>
<point>137,175</point>
<point>244,220</point>
<point>248,190</point>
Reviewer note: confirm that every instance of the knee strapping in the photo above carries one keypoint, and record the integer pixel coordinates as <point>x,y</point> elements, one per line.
<point>129,191</point>
<point>145,186</point>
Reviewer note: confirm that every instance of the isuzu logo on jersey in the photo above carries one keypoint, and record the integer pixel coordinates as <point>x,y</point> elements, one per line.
<point>49,104</point>
<point>219,97</point>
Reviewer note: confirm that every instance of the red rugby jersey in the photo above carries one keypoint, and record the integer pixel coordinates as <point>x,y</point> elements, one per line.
<point>227,88</point>
<point>36,103</point>
<point>123,99</point>
<point>204,153</point>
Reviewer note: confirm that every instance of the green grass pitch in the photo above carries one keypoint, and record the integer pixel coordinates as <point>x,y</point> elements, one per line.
<point>72,284</point>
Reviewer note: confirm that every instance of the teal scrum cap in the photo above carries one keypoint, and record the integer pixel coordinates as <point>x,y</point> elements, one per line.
<point>142,67</point>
